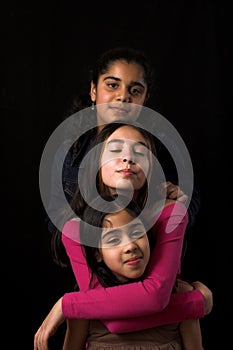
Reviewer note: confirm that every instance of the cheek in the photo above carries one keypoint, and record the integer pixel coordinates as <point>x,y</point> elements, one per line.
<point>107,173</point>
<point>108,166</point>
<point>147,254</point>
<point>102,96</point>
<point>135,110</point>
<point>110,257</point>
<point>145,247</point>
<point>139,101</point>
<point>144,168</point>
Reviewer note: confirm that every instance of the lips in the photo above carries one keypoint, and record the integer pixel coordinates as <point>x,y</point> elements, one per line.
<point>133,261</point>
<point>126,172</point>
<point>119,110</point>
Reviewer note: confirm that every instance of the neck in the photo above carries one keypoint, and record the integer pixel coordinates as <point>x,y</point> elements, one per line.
<point>124,192</point>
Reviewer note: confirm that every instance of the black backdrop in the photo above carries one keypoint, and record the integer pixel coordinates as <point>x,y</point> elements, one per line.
<point>47,51</point>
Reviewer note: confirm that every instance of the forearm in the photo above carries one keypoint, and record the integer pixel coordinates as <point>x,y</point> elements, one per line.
<point>190,306</point>
<point>71,241</point>
<point>187,305</point>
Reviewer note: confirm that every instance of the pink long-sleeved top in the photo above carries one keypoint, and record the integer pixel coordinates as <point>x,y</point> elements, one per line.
<point>137,305</point>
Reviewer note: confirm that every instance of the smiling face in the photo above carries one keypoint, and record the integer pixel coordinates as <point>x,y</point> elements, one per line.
<point>124,245</point>
<point>120,92</point>
<point>125,161</point>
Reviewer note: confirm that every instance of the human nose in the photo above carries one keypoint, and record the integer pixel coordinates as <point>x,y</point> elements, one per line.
<point>130,246</point>
<point>128,157</point>
<point>123,95</point>
<point>128,160</point>
<point>128,154</point>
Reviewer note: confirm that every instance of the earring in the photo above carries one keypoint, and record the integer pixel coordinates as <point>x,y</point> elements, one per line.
<point>92,106</point>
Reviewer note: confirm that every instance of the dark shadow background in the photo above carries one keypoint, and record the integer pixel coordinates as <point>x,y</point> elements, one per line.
<point>47,51</point>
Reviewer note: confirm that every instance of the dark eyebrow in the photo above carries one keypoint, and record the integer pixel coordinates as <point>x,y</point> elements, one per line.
<point>118,79</point>
<point>111,77</point>
<point>115,140</point>
<point>122,141</point>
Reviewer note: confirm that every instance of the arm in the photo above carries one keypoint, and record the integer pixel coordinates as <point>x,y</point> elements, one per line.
<point>71,239</point>
<point>55,317</point>
<point>76,334</point>
<point>190,330</point>
<point>155,290</point>
<point>182,306</point>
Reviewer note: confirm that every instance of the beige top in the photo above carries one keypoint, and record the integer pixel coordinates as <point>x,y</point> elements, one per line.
<point>158,338</point>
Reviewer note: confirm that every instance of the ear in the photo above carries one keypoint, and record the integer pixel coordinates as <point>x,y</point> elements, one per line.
<point>98,256</point>
<point>93,92</point>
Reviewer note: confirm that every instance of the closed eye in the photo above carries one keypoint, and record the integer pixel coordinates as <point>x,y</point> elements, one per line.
<point>116,150</point>
<point>111,241</point>
<point>137,234</point>
<point>140,153</point>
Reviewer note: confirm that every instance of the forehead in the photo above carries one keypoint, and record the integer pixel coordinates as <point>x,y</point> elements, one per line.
<point>127,132</point>
<point>121,218</point>
<point>125,70</point>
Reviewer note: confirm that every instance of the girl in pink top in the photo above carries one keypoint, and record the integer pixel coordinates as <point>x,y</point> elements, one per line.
<point>116,254</point>
<point>121,307</point>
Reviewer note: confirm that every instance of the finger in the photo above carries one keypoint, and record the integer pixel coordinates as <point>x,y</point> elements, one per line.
<point>173,193</point>
<point>41,340</point>
<point>183,198</point>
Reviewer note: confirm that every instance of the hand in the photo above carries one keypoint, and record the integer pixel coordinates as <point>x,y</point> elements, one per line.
<point>207,295</point>
<point>49,326</point>
<point>183,286</point>
<point>171,191</point>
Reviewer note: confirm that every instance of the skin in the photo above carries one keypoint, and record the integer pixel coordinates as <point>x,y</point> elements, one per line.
<point>55,318</point>
<point>120,93</point>
<point>116,257</point>
<point>124,246</point>
<point>125,250</point>
<point>125,160</point>
<point>128,151</point>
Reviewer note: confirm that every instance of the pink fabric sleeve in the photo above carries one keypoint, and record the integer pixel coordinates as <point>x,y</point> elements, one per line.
<point>147,297</point>
<point>71,239</point>
<point>187,306</point>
